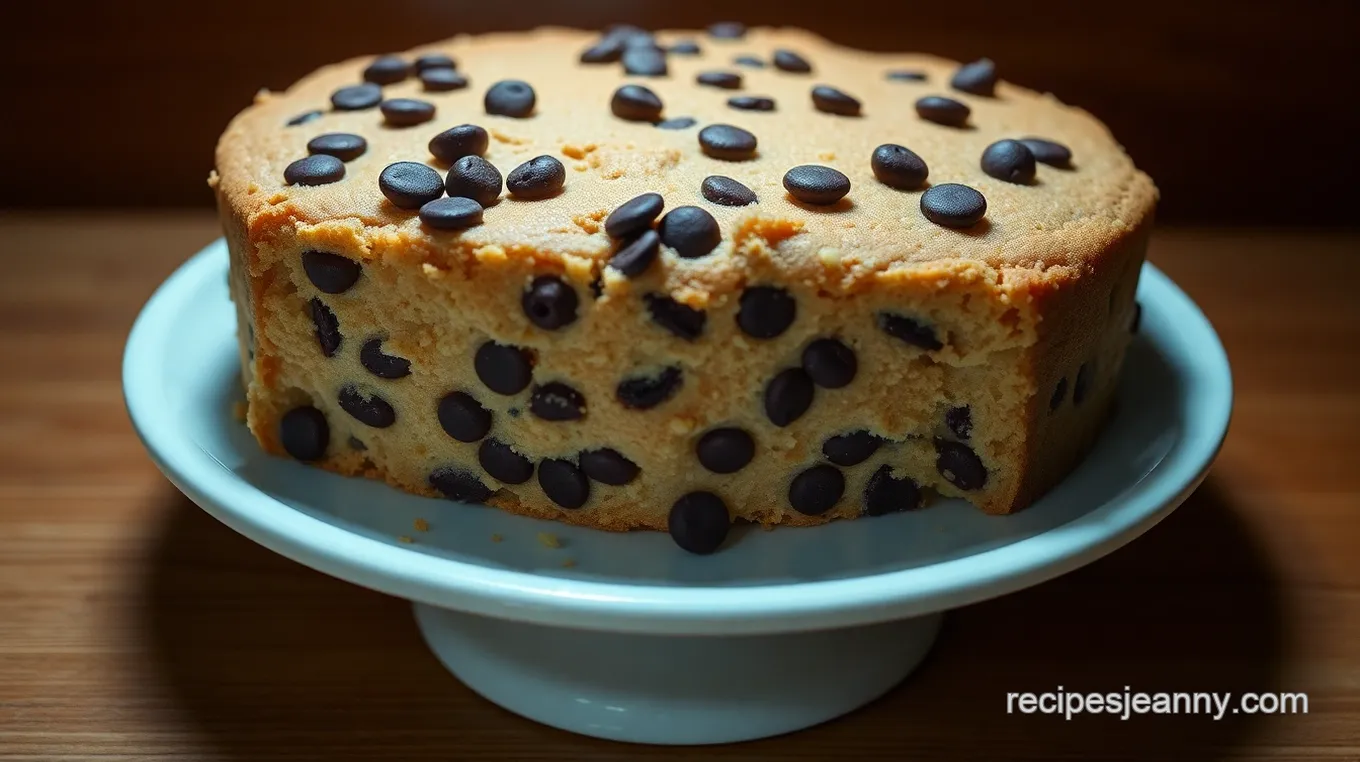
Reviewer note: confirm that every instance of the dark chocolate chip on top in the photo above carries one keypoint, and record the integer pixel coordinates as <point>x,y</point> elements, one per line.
<point>644,61</point>
<point>435,61</point>
<point>723,141</point>
<point>787,60</point>
<point>941,110</point>
<point>727,30</point>
<point>510,97</point>
<point>356,97</point>
<point>537,178</point>
<point>684,48</point>
<point>976,78</point>
<point>898,167</point>
<point>406,112</point>
<point>475,178</point>
<point>750,62</point>
<point>636,103</point>
<point>634,216</point>
<point>815,184</point>
<point>677,123</point>
<point>451,213</point>
<point>1049,152</point>
<point>607,50</point>
<point>953,205</point>
<point>410,185</point>
<point>832,101</point>
<point>317,169</point>
<point>344,146</point>
<point>442,80</point>
<point>387,70</point>
<point>303,118</point>
<point>726,191</point>
<point>456,142</point>
<point>726,80</point>
<point>635,256</point>
<point>691,231</point>
<point>906,75</point>
<point>1009,160</point>
<point>751,103</point>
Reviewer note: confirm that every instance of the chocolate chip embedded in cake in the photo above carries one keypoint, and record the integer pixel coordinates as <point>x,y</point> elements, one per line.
<point>672,280</point>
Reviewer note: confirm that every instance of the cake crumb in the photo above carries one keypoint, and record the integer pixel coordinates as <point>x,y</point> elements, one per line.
<point>405,539</point>
<point>567,564</point>
<point>496,538</point>
<point>549,540</point>
<point>422,525</point>
<point>238,411</point>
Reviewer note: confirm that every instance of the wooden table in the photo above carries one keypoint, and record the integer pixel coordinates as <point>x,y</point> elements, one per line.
<point>134,626</point>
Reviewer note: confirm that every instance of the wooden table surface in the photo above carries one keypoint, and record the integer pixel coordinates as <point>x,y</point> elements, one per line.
<point>134,626</point>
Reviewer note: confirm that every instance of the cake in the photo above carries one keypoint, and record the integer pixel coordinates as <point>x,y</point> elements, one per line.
<point>674,280</point>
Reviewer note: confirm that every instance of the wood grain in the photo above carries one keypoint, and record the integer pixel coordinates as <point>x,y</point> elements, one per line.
<point>1240,108</point>
<point>134,627</point>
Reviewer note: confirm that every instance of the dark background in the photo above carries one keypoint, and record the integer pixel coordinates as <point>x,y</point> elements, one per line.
<point>1244,112</point>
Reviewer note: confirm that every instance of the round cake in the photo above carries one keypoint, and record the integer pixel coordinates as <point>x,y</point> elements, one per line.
<point>673,280</point>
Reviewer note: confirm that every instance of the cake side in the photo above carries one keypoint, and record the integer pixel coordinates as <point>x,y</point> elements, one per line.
<point>956,337</point>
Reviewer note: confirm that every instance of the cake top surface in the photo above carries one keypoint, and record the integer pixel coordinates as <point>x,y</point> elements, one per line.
<point>614,146</point>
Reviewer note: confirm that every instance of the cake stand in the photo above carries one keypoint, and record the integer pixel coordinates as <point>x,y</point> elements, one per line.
<point>624,635</point>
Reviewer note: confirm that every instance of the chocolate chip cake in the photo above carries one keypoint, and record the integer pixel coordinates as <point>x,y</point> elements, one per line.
<point>672,280</point>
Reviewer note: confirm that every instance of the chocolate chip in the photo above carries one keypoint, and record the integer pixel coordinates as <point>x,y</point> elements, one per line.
<point>330,273</point>
<point>698,522</point>
<point>787,60</point>
<point>751,102</point>
<point>1137,319</point>
<point>646,392</point>
<point>851,449</point>
<point>629,34</point>
<point>678,123</point>
<point>953,205</point>
<point>644,61</point>
<point>608,466</point>
<point>342,145</point>
<point>906,75</point>
<point>371,410</point>
<point>502,463</point>
<point>725,451</point>
<point>1048,152</point>
<point>723,79</point>
<point>691,231</point>
<point>960,421</point>
<point>886,494</point>
<point>456,484</point>
<point>304,433</point>
<point>727,30</point>
<point>555,401</point>
<point>303,118</point>
<point>563,483</point>
<point>475,178</point>
<point>314,170</point>
<point>406,112</point>
<point>723,141</point>
<point>1059,394</point>
<point>816,490</point>
<point>409,185</point>
<point>833,101</point>
<point>635,103</point>
<point>504,369</point>
<point>1009,160</point>
<point>680,319</point>
<point>941,110</point>
<point>978,78</point>
<point>816,185</point>
<point>726,191</point>
<point>766,311</point>
<point>327,327</point>
<point>830,363</point>
<point>634,216</point>
<point>356,97</point>
<point>456,142</point>
<point>607,50</point>
<point>634,257</point>
<point>382,365</point>
<point>442,80</point>
<point>435,61</point>
<point>911,331</point>
<point>959,465</point>
<point>898,167</point>
<point>749,61</point>
<point>463,417</point>
<point>539,177</point>
<point>451,213</point>
<point>549,302</point>
<point>1083,385</point>
<point>684,48</point>
<point>510,97</point>
<point>788,396</point>
<point>387,70</point>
